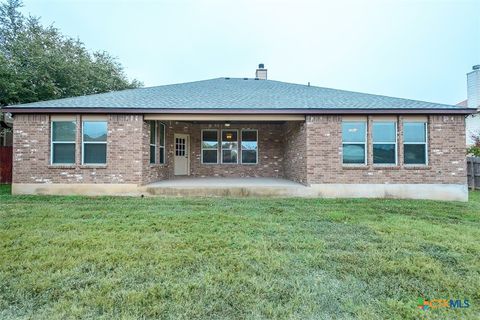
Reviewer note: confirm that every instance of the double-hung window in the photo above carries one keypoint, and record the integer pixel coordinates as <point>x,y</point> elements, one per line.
<point>157,142</point>
<point>63,135</point>
<point>415,143</point>
<point>153,141</point>
<point>354,136</point>
<point>249,146</point>
<point>384,142</point>
<point>229,146</point>
<point>209,146</point>
<point>94,142</point>
<point>161,131</point>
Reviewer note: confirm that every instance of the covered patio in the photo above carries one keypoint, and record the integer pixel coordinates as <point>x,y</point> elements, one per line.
<point>224,145</point>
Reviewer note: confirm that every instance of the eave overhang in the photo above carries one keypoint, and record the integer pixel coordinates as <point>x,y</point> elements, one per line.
<point>14,110</point>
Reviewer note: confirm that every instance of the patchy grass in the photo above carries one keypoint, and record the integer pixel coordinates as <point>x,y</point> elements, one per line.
<point>106,257</point>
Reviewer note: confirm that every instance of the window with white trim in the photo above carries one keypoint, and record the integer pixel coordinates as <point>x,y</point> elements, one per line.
<point>384,134</point>
<point>415,149</point>
<point>63,135</point>
<point>209,146</point>
<point>354,137</point>
<point>229,146</point>
<point>153,142</point>
<point>249,146</point>
<point>161,130</point>
<point>94,142</point>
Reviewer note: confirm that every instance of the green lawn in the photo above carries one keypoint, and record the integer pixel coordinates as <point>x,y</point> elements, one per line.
<point>106,257</point>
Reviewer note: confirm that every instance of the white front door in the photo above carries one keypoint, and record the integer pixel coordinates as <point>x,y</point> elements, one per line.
<point>181,154</point>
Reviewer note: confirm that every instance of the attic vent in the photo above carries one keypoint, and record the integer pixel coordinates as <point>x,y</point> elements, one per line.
<point>227,78</point>
<point>245,78</point>
<point>257,79</point>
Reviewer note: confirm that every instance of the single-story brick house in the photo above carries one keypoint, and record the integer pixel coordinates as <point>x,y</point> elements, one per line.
<point>335,143</point>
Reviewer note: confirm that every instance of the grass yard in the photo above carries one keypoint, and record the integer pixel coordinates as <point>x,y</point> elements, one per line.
<point>106,257</point>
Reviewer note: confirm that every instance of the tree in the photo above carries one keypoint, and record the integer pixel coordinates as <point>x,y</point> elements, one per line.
<point>474,150</point>
<point>39,63</point>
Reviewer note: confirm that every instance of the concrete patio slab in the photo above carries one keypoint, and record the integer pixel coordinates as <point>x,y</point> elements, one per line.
<point>218,186</point>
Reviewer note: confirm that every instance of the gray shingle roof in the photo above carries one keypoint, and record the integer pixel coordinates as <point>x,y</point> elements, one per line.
<point>236,93</point>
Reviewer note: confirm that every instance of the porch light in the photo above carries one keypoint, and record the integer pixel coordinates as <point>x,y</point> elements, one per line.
<point>227,124</point>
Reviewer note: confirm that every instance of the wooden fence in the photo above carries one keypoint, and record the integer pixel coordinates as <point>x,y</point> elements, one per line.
<point>473,171</point>
<point>6,164</point>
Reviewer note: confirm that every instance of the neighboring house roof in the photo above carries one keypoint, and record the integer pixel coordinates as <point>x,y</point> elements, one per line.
<point>464,103</point>
<point>235,94</point>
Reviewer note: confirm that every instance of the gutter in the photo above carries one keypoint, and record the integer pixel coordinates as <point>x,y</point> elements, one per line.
<point>16,110</point>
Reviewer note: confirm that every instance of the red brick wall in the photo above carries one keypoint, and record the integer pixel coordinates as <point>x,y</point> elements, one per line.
<point>31,154</point>
<point>309,152</point>
<point>446,153</point>
<point>295,160</point>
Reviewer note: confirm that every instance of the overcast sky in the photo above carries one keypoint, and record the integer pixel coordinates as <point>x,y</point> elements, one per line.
<point>415,49</point>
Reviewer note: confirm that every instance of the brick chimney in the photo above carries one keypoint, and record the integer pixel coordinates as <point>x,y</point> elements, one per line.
<point>473,87</point>
<point>261,72</point>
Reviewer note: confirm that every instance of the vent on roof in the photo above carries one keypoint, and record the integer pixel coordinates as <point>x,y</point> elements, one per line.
<point>227,78</point>
<point>245,78</point>
<point>257,79</point>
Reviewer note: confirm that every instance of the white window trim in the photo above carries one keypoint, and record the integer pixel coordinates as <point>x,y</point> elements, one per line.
<point>362,143</point>
<point>241,147</point>
<point>425,126</point>
<point>62,142</point>
<point>155,136</point>
<point>385,142</point>
<point>202,148</point>
<point>221,146</point>
<point>160,147</point>
<point>94,142</point>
